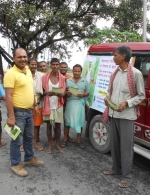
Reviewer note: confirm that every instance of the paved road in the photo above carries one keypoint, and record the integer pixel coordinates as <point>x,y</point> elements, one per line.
<point>74,172</point>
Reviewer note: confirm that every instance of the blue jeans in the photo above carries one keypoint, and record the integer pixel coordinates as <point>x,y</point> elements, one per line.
<point>24,120</point>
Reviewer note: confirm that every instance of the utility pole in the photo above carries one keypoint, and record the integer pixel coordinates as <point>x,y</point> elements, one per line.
<point>144,19</point>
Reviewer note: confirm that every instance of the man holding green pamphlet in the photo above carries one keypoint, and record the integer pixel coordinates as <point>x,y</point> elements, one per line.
<point>18,84</point>
<point>54,86</point>
<point>78,90</point>
<point>126,91</point>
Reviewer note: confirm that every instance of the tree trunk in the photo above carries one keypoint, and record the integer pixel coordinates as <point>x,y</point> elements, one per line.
<point>1,69</point>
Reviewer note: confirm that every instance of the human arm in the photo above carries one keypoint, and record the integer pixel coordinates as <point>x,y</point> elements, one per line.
<point>39,99</point>
<point>68,93</point>
<point>86,91</point>
<point>9,105</point>
<point>140,93</point>
<point>84,94</point>
<point>122,106</point>
<point>60,94</point>
<point>106,101</point>
<point>108,92</point>
<point>35,106</point>
<point>63,86</point>
<point>37,102</point>
<point>49,93</point>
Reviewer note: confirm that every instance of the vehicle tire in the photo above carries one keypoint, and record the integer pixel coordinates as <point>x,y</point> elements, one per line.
<point>99,134</point>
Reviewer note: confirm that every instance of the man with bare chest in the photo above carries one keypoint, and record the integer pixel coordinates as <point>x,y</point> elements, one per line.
<point>53,103</point>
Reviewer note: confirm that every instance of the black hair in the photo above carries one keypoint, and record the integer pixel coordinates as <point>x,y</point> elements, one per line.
<point>124,50</point>
<point>64,63</point>
<point>41,62</point>
<point>54,60</point>
<point>78,66</point>
<point>32,59</point>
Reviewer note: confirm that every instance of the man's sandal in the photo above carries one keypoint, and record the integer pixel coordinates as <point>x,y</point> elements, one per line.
<point>81,145</point>
<point>108,172</point>
<point>70,140</point>
<point>125,183</point>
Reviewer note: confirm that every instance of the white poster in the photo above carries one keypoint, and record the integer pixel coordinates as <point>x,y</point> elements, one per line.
<point>106,67</point>
<point>100,68</point>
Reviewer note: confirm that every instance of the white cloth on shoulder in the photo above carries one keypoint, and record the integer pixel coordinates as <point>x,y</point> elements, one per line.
<point>38,82</point>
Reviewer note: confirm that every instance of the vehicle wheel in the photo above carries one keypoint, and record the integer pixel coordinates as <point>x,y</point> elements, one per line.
<point>99,134</point>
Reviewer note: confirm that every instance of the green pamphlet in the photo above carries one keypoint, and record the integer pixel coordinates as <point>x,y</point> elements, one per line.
<point>57,90</point>
<point>112,105</point>
<point>74,91</point>
<point>12,132</point>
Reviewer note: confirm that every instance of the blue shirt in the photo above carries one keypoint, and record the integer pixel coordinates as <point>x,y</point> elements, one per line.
<point>82,85</point>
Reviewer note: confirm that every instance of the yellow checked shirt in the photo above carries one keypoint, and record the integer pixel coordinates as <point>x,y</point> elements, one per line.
<point>23,95</point>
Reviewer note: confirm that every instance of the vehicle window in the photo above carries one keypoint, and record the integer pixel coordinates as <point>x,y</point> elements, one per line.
<point>143,64</point>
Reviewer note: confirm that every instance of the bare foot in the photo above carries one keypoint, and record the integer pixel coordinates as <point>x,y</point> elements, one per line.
<point>38,147</point>
<point>49,149</point>
<point>59,148</point>
<point>2,143</point>
<point>69,139</point>
<point>54,142</point>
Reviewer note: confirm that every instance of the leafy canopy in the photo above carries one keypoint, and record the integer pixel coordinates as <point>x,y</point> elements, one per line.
<point>38,24</point>
<point>128,16</point>
<point>112,35</point>
<point>55,24</point>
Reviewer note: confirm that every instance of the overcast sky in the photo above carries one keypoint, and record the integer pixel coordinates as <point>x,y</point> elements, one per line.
<point>77,56</point>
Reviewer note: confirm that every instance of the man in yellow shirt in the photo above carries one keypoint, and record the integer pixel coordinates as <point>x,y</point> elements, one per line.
<point>18,85</point>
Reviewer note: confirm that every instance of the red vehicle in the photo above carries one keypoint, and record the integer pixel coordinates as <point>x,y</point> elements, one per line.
<point>97,68</point>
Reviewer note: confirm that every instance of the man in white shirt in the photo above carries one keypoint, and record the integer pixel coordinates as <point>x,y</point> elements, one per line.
<point>126,90</point>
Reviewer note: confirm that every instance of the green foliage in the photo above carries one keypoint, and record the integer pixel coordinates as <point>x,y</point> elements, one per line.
<point>112,35</point>
<point>55,24</point>
<point>52,24</point>
<point>128,15</point>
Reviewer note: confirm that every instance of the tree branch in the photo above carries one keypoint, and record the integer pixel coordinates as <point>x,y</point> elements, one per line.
<point>50,42</point>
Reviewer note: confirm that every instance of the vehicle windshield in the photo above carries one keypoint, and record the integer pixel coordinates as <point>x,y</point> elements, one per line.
<point>143,64</point>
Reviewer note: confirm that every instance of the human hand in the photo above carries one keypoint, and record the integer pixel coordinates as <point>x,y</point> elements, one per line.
<point>50,93</point>
<point>69,93</point>
<point>106,101</point>
<point>11,121</point>
<point>36,110</point>
<point>122,106</point>
<point>60,94</point>
<point>80,95</point>
<point>39,100</point>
